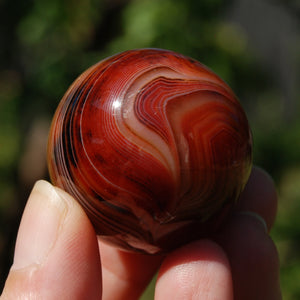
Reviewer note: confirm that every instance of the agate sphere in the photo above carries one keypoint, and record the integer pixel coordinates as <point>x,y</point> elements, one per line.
<point>154,146</point>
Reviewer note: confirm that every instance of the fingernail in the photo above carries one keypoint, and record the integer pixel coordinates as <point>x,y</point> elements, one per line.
<point>41,222</point>
<point>256,216</point>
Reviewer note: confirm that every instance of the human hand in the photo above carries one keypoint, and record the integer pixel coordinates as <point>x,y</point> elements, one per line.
<point>57,255</point>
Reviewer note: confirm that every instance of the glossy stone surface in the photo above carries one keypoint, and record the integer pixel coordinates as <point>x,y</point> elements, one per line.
<point>154,146</point>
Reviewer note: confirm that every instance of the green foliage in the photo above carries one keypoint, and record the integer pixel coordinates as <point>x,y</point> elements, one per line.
<point>45,45</point>
<point>286,232</point>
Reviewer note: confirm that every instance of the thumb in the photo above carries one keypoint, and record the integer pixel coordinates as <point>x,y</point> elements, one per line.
<point>56,253</point>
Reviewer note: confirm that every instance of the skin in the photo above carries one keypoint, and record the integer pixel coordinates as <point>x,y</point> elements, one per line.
<point>58,255</point>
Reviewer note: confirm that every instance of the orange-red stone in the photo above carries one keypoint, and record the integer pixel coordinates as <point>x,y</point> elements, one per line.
<point>154,146</point>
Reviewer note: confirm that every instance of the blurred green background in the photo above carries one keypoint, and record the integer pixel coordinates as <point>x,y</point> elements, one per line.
<point>253,44</point>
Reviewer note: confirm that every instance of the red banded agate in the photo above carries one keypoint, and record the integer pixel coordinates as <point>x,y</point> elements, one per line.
<point>154,146</point>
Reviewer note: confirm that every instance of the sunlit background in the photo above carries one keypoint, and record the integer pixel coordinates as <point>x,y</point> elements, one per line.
<point>253,44</point>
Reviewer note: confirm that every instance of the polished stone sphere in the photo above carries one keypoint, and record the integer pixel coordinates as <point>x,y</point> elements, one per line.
<point>154,146</point>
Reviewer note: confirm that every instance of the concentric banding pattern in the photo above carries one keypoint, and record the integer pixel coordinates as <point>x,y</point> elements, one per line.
<point>148,140</point>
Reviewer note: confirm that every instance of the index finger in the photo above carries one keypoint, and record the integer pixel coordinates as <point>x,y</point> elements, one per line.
<point>125,275</point>
<point>260,197</point>
<point>251,252</point>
